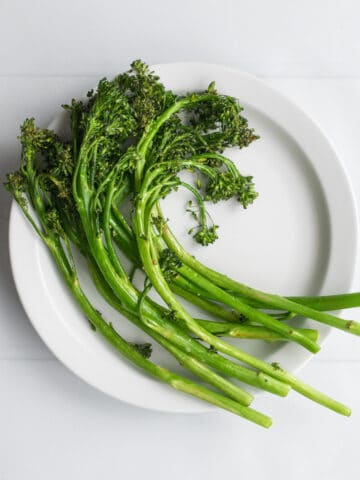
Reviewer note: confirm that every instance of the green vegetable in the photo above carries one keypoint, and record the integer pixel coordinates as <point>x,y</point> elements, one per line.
<point>249,331</point>
<point>130,142</point>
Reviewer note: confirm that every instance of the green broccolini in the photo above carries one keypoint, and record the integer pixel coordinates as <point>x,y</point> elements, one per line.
<point>130,142</point>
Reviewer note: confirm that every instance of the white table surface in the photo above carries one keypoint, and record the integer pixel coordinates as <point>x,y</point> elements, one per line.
<point>53,425</point>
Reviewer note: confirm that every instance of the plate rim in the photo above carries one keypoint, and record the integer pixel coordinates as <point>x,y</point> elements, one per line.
<point>193,406</point>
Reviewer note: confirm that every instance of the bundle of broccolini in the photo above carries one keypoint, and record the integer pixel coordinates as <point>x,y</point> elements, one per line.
<point>130,141</point>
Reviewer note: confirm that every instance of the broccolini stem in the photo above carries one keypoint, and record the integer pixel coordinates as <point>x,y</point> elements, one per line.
<point>126,305</point>
<point>270,300</point>
<point>129,352</point>
<point>211,307</point>
<point>249,331</point>
<point>176,381</point>
<point>330,302</point>
<point>194,294</point>
<point>107,234</point>
<point>154,273</point>
<point>222,296</point>
<point>165,333</point>
<point>233,391</point>
<point>185,289</point>
<point>252,314</point>
<point>128,296</point>
<point>210,377</point>
<point>190,292</point>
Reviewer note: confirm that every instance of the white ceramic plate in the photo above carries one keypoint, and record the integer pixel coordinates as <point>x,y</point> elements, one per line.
<point>300,237</point>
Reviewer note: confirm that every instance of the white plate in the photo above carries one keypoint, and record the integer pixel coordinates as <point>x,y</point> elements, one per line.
<point>300,237</point>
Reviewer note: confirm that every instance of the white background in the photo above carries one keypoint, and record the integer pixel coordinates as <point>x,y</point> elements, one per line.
<point>54,426</point>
